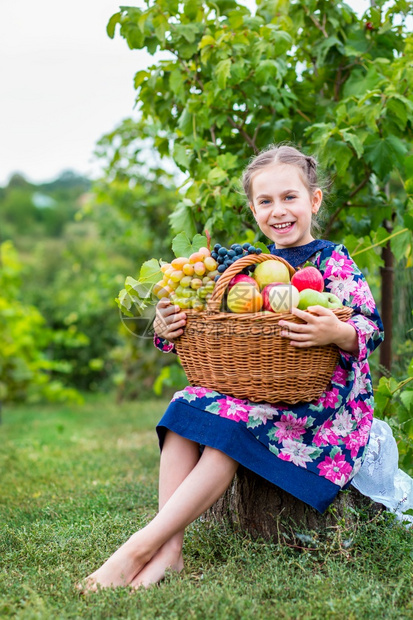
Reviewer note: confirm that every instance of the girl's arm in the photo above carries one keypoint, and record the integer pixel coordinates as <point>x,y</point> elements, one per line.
<point>364,331</point>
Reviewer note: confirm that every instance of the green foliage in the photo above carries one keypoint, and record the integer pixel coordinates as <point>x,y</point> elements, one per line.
<point>394,403</point>
<point>26,366</point>
<point>309,72</point>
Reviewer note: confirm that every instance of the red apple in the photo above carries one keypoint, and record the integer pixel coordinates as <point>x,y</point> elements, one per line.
<point>309,277</point>
<point>266,295</point>
<point>241,277</point>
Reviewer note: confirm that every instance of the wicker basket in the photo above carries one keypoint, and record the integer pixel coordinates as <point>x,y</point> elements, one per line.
<point>243,355</point>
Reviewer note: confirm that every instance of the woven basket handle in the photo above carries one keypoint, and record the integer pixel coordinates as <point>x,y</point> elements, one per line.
<point>214,303</point>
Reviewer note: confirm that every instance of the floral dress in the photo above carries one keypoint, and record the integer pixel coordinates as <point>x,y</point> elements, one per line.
<point>311,450</point>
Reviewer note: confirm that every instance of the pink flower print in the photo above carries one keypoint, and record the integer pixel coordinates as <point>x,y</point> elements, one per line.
<point>330,398</point>
<point>340,375</point>
<point>290,427</point>
<point>200,392</point>
<point>343,424</point>
<point>191,393</point>
<point>342,288</point>
<point>338,266</point>
<point>296,452</point>
<point>335,469</point>
<point>364,368</point>
<point>233,408</point>
<point>325,435</point>
<point>361,409</point>
<point>362,295</point>
<point>360,383</point>
<point>355,441</point>
<point>262,413</point>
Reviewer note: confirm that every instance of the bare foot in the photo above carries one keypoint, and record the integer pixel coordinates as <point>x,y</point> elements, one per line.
<point>154,571</point>
<point>119,569</point>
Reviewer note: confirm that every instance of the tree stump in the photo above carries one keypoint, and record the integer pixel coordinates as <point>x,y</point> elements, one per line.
<point>263,510</point>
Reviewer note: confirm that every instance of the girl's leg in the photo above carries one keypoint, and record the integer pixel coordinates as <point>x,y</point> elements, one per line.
<point>178,458</point>
<point>198,491</point>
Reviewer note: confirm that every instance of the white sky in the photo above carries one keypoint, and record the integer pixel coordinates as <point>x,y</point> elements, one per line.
<point>63,83</point>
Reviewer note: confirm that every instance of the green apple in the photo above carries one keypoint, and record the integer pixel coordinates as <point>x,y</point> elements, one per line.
<point>271,271</point>
<point>310,297</point>
<point>333,300</point>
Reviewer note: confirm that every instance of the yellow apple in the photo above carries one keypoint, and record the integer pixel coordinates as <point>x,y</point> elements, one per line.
<point>271,271</point>
<point>244,297</point>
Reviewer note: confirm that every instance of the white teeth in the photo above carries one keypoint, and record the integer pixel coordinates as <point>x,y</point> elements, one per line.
<point>283,225</point>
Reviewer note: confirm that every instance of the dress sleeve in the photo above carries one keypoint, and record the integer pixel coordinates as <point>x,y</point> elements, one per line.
<point>343,278</point>
<point>163,344</point>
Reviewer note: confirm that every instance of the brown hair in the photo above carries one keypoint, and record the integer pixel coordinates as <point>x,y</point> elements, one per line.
<point>282,154</point>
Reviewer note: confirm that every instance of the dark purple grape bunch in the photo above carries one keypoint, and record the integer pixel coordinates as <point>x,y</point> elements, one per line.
<point>227,257</point>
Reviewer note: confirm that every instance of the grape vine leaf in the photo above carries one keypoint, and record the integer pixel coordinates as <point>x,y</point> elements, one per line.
<point>183,246</point>
<point>262,247</point>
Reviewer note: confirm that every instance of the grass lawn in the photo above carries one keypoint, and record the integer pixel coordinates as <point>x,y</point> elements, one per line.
<point>76,481</point>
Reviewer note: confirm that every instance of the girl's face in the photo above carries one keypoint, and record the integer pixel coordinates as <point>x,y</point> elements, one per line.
<point>283,206</point>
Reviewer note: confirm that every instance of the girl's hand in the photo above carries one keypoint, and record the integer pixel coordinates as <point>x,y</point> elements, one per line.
<point>169,320</point>
<point>321,327</point>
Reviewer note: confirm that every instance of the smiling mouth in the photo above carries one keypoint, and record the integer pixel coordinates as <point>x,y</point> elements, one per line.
<point>282,226</point>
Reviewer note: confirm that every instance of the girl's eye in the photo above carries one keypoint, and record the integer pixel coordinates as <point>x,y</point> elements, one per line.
<point>290,197</point>
<point>264,201</point>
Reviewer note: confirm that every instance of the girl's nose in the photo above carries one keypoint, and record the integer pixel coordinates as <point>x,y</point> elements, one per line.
<point>279,209</point>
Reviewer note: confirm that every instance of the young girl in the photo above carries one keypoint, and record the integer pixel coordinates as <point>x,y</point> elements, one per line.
<point>312,450</point>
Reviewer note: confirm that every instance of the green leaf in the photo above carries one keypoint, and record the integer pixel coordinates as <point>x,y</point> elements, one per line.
<point>110,28</point>
<point>182,219</point>
<point>185,122</point>
<point>182,246</point>
<point>384,153</point>
<point>323,49</point>
<point>181,156</point>
<point>187,31</point>
<point>262,246</point>
<point>398,112</point>
<point>206,40</point>
<point>150,271</point>
<point>199,241</point>
<point>227,161</point>
<point>216,176</point>
<point>407,399</point>
<point>400,244</point>
<point>140,77</point>
<point>138,289</point>
<point>222,72</point>
<point>359,82</point>
<point>124,302</point>
<point>354,141</point>
<point>177,81</point>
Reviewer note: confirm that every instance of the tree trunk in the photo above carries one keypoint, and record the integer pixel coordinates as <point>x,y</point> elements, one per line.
<point>263,510</point>
<point>387,277</point>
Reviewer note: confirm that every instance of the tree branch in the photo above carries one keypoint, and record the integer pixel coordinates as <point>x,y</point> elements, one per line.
<point>303,115</point>
<point>346,204</point>
<point>247,138</point>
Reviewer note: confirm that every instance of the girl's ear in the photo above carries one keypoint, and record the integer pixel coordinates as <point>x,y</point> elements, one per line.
<point>317,199</point>
<point>251,206</point>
